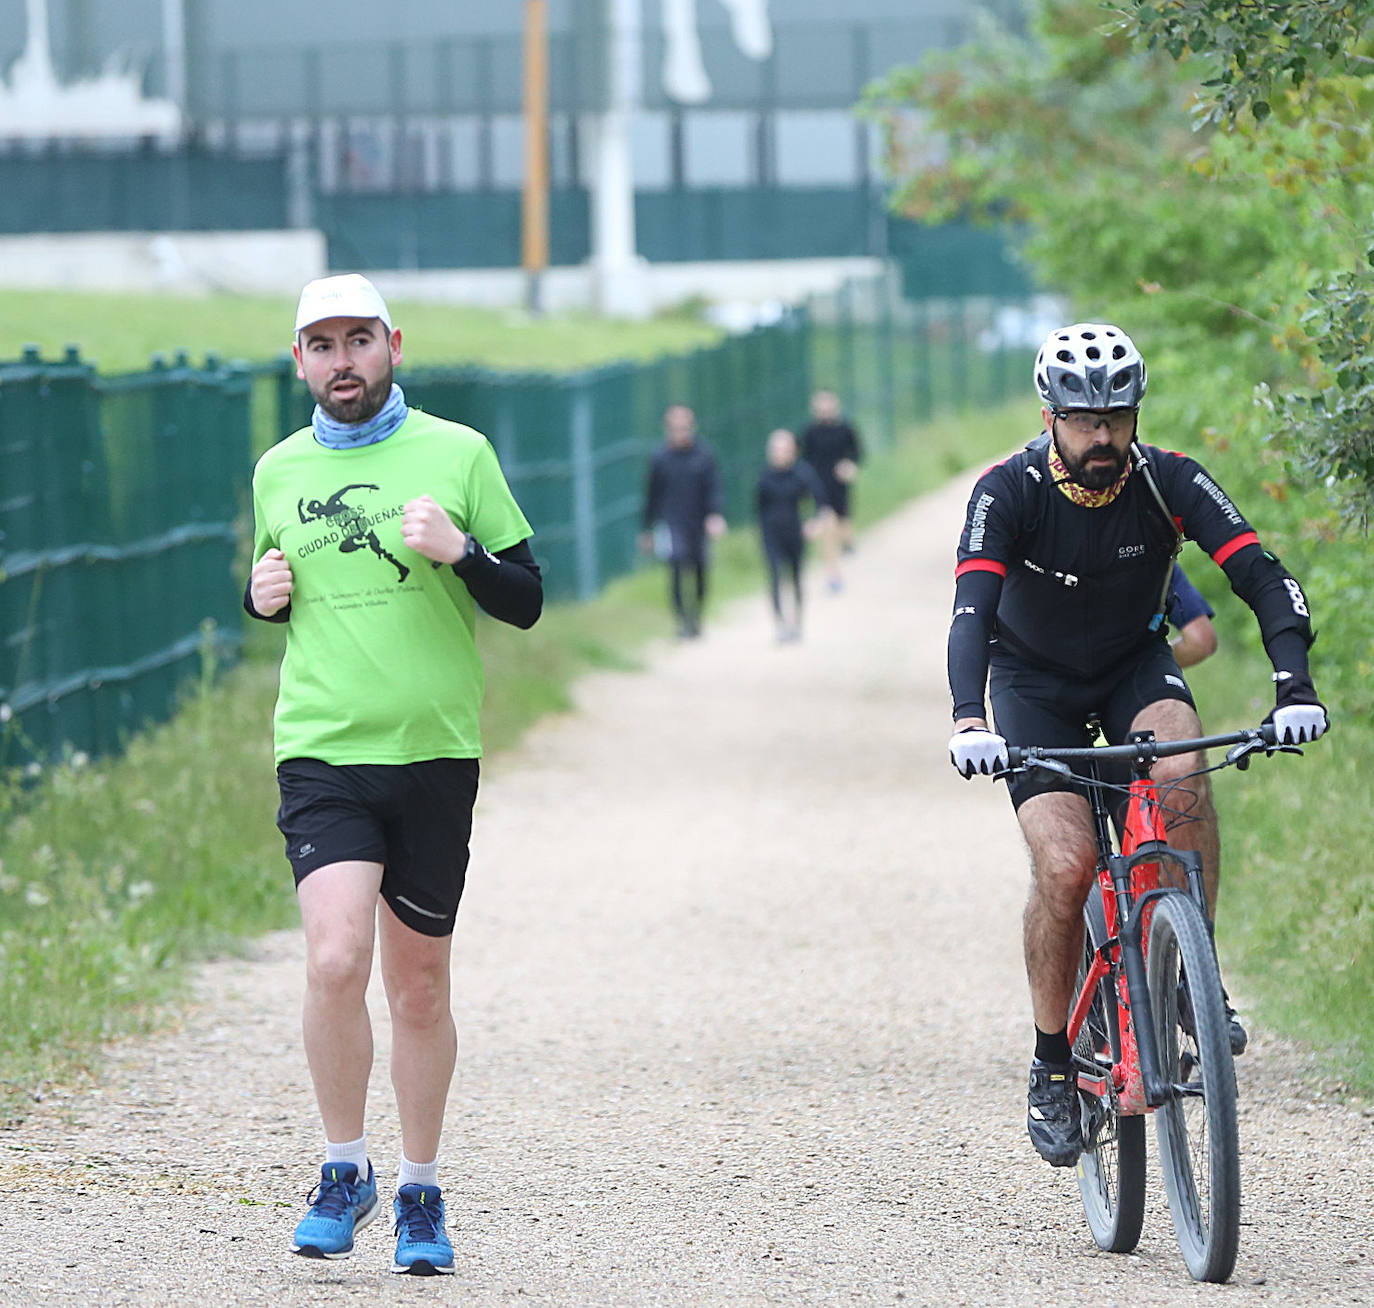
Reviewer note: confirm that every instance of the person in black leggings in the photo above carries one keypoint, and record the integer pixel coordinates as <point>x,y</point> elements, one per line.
<point>784,483</point>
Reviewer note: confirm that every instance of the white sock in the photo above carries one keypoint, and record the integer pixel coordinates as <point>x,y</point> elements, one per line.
<point>350,1151</point>
<point>418,1173</point>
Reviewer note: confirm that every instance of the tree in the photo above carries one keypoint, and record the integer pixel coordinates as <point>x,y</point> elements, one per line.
<point>1149,198</point>
<point>1309,60</point>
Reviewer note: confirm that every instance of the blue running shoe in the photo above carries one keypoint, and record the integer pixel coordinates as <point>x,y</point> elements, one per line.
<point>422,1245</point>
<point>339,1206</point>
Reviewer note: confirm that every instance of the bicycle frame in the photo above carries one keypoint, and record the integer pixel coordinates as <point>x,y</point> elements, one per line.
<point>1131,882</point>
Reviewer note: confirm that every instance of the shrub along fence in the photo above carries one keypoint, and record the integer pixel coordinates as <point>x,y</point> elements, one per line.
<point>124,505</point>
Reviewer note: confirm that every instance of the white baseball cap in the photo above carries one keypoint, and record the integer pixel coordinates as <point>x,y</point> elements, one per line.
<point>349,295</point>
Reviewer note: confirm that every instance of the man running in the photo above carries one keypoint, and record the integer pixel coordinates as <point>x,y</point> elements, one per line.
<point>831,446</point>
<point>376,531</point>
<point>1062,580</point>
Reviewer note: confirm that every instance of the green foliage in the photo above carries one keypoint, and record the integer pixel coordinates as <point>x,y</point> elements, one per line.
<point>1255,50</point>
<point>1331,427</point>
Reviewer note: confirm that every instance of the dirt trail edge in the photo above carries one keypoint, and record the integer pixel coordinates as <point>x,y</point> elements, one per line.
<point>742,1021</point>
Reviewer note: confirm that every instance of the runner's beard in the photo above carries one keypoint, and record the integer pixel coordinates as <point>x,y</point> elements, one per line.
<point>1099,476</point>
<point>366,404</point>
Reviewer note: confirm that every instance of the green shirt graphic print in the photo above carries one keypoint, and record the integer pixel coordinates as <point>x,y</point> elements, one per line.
<point>381,665</point>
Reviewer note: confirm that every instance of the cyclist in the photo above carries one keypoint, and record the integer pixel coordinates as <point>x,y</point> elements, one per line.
<point>1061,584</point>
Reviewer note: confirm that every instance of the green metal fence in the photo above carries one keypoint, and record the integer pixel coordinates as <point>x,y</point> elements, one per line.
<point>117,544</point>
<point>123,506</point>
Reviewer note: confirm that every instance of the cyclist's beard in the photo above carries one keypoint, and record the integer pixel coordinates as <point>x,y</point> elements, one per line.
<point>1100,475</point>
<point>366,404</point>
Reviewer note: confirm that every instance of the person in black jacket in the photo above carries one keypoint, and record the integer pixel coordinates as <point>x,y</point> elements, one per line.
<point>831,446</point>
<point>682,512</point>
<point>784,483</point>
<point>1061,590</point>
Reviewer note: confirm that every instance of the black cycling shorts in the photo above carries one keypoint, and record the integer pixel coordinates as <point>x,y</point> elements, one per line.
<point>837,496</point>
<point>1032,706</point>
<point>415,819</point>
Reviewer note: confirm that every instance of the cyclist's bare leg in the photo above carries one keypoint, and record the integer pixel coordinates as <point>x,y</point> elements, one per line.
<point>338,911</point>
<point>1058,828</point>
<point>424,1040</point>
<point>1189,818</point>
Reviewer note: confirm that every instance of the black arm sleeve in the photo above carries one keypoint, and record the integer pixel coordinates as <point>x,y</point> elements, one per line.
<point>1278,602</point>
<point>507,585</point>
<point>283,614</point>
<point>975,607</point>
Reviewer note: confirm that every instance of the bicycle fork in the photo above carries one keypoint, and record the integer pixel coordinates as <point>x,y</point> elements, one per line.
<point>1133,915</point>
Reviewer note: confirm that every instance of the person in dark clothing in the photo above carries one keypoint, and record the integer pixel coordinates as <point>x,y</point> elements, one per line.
<point>784,483</point>
<point>831,446</point>
<point>683,499</point>
<point>1190,616</point>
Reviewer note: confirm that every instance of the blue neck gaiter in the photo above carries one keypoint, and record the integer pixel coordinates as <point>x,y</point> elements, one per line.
<point>354,435</point>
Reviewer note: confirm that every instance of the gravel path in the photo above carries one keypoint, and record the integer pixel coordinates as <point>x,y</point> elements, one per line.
<point>743,1021</point>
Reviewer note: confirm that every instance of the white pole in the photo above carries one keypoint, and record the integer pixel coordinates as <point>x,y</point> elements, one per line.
<point>174,51</point>
<point>617,270</point>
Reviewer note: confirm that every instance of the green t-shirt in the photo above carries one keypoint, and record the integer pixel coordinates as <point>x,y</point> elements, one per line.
<point>380,665</point>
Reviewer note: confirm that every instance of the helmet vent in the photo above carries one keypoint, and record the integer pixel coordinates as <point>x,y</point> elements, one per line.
<point>1065,356</point>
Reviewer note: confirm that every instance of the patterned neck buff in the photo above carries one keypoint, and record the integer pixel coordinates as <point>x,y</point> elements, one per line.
<point>353,435</point>
<point>1081,495</point>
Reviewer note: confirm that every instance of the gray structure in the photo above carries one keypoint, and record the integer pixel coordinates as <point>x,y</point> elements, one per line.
<point>360,105</point>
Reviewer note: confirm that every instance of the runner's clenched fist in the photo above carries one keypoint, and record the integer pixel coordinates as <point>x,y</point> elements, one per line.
<point>428,530</point>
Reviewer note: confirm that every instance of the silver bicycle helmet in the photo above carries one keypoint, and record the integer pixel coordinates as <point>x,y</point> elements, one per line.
<point>1091,365</point>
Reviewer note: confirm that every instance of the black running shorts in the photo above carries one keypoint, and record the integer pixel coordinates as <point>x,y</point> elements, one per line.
<point>415,819</point>
<point>1032,706</point>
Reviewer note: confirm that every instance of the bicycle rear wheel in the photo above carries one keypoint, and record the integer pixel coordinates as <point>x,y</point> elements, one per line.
<point>1111,1169</point>
<point>1199,1149</point>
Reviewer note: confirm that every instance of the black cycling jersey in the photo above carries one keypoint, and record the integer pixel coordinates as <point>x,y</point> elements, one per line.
<point>1075,590</point>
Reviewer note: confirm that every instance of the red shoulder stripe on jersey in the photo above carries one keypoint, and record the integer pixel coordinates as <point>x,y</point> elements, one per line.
<point>1233,545</point>
<point>981,565</point>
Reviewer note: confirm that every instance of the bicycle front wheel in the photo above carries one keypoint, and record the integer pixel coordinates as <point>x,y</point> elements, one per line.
<point>1111,1169</point>
<point>1199,1149</point>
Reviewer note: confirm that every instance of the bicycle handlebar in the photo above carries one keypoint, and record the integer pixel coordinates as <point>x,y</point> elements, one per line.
<point>1147,751</point>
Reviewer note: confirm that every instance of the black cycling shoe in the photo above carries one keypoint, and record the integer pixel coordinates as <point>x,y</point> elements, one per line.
<point>1235,1029</point>
<point>1054,1119</point>
<point>1240,1037</point>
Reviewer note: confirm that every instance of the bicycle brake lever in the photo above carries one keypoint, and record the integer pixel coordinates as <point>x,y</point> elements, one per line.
<point>1240,754</point>
<point>1050,765</point>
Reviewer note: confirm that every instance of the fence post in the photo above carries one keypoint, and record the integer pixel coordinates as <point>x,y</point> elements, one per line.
<point>583,486</point>
<point>886,386</point>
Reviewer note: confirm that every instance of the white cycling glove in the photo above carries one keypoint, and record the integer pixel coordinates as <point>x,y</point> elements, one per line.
<point>1297,724</point>
<point>977,751</point>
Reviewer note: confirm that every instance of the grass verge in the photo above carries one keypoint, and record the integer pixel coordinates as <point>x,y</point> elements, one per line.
<point>121,333</point>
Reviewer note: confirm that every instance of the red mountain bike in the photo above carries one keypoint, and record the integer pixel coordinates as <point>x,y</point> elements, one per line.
<point>1149,1027</point>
